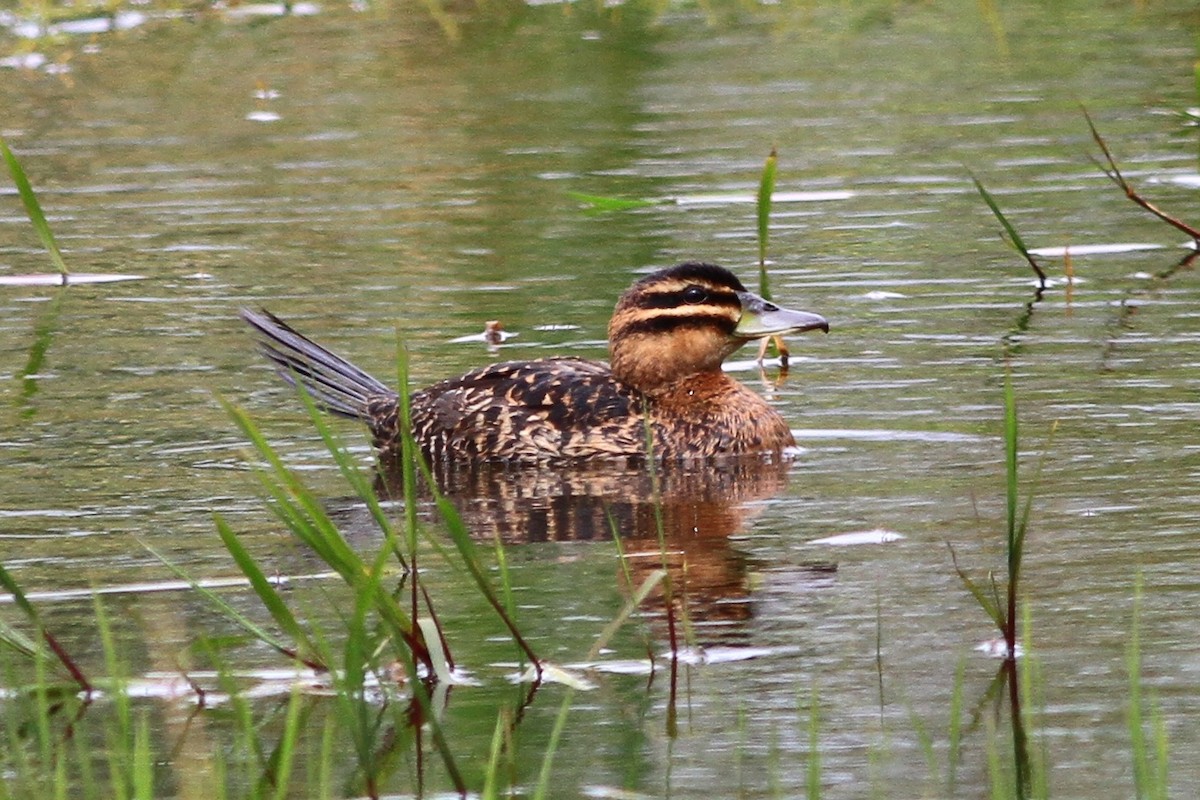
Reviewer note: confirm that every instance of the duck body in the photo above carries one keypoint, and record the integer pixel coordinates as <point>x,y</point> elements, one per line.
<point>668,336</point>
<point>572,408</point>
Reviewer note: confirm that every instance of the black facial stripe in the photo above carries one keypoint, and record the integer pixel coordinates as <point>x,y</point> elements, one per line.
<point>668,323</point>
<point>716,297</point>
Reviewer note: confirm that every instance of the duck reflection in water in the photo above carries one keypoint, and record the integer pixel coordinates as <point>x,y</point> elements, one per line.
<point>701,507</point>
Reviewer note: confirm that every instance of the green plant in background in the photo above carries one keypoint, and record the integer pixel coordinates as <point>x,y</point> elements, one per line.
<point>1149,763</point>
<point>23,644</point>
<point>34,209</point>
<point>766,188</point>
<point>47,325</point>
<point>1000,606</point>
<point>1010,233</point>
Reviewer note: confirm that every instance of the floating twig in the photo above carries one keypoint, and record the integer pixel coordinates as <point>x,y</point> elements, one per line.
<point>1114,174</point>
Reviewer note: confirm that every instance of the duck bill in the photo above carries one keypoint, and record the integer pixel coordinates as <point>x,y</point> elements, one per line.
<point>763,318</point>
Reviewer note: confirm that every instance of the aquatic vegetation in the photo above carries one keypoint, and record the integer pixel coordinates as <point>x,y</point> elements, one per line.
<point>1012,236</point>
<point>1110,168</point>
<point>34,209</point>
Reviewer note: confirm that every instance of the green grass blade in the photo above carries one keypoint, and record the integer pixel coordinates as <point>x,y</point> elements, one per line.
<point>303,511</point>
<point>955,731</point>
<point>268,595</point>
<point>350,472</point>
<point>10,585</point>
<point>998,777</point>
<point>814,746</point>
<point>1137,736</point>
<point>461,537</point>
<point>34,210</point>
<point>510,601</point>
<point>118,692</point>
<point>17,640</point>
<point>237,617</point>
<point>1031,492</point>
<point>631,605</point>
<point>560,722</point>
<point>924,740</point>
<point>989,604</point>
<point>1159,724</point>
<point>491,789</point>
<point>354,713</point>
<point>1010,231</point>
<point>451,520</point>
<point>627,574</point>
<point>766,188</point>
<point>142,768</point>
<point>306,517</point>
<point>284,756</point>
<point>1010,468</point>
<point>325,768</point>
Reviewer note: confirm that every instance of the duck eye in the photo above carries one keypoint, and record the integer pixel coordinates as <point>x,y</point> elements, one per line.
<point>694,294</point>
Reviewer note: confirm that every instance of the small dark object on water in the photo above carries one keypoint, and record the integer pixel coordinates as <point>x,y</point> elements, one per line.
<point>668,336</point>
<point>493,331</point>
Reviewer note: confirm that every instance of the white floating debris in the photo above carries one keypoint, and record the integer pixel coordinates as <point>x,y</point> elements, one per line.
<point>493,333</point>
<point>777,197</point>
<point>262,115</point>
<point>555,327</point>
<point>719,655</point>
<point>121,21</point>
<point>273,10</point>
<point>84,26</point>
<point>877,536</point>
<point>883,435</point>
<point>611,792</point>
<point>1093,249</point>
<point>55,279</point>
<point>1188,181</point>
<point>555,674</point>
<point>618,667</point>
<point>881,295</point>
<point>997,648</point>
<point>23,61</point>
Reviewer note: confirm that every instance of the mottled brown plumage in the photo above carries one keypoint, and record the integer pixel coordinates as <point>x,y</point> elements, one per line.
<point>668,336</point>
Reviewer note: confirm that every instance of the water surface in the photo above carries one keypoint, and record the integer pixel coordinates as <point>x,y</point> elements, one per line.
<point>359,173</point>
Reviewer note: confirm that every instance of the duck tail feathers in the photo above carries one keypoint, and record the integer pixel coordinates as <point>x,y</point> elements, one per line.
<point>334,383</point>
